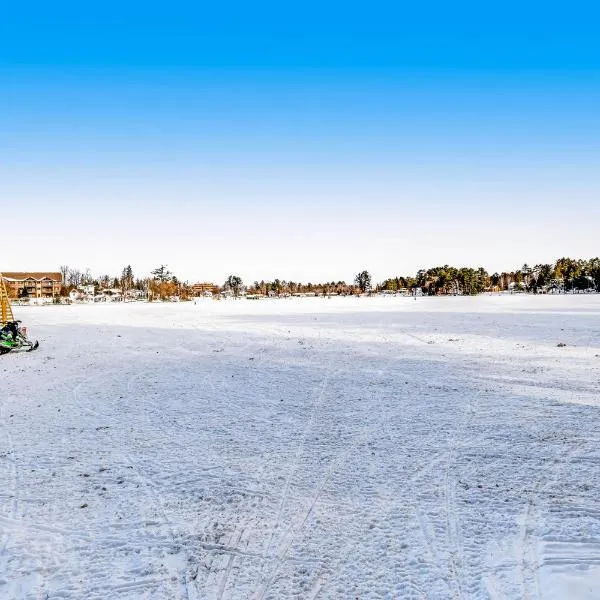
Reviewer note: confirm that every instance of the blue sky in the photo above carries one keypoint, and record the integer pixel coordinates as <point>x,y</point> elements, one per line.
<point>301,141</point>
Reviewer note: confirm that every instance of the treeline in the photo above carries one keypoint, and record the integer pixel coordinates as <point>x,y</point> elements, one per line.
<point>161,283</point>
<point>565,275</point>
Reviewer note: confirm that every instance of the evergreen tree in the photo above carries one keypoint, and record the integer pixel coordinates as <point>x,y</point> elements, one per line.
<point>127,279</point>
<point>162,274</point>
<point>234,283</point>
<point>363,281</point>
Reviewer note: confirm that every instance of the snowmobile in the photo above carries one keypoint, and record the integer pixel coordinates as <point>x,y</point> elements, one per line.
<point>14,337</point>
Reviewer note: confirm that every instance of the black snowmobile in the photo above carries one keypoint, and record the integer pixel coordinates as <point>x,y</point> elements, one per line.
<point>14,337</point>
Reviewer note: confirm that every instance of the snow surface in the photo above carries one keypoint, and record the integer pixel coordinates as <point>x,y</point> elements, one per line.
<point>304,448</point>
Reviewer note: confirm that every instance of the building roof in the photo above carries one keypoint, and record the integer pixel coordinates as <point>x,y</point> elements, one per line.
<point>38,276</point>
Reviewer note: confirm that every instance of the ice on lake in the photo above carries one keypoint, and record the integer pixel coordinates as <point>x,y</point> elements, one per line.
<point>304,448</point>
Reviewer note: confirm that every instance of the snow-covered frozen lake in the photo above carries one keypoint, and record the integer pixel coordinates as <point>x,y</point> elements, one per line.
<point>304,448</point>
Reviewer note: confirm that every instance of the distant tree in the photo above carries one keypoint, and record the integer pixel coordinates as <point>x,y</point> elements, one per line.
<point>74,277</point>
<point>527,274</point>
<point>86,278</point>
<point>363,281</point>
<point>594,271</point>
<point>127,280</point>
<point>391,285</point>
<point>583,282</point>
<point>162,290</point>
<point>482,280</point>
<point>162,274</point>
<point>64,271</point>
<point>543,275</point>
<point>184,290</point>
<point>410,283</point>
<point>444,280</point>
<point>568,270</point>
<point>421,278</point>
<point>277,286</point>
<point>234,283</point>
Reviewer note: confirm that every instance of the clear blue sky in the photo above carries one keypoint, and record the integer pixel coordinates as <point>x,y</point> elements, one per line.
<point>304,141</point>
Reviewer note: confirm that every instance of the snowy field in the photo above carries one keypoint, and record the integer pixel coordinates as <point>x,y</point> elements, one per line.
<point>304,448</point>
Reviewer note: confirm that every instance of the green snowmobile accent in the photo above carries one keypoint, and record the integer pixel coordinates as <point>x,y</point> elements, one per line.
<point>12,337</point>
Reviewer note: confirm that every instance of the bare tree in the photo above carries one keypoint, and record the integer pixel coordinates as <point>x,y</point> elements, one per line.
<point>74,277</point>
<point>64,271</point>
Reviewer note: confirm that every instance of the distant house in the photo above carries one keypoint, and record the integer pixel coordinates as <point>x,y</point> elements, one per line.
<point>84,293</point>
<point>109,295</point>
<point>34,284</point>
<point>134,295</point>
<point>200,289</point>
<point>516,287</point>
<point>557,286</point>
<point>77,296</point>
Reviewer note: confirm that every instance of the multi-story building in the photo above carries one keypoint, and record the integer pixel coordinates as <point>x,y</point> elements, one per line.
<point>34,285</point>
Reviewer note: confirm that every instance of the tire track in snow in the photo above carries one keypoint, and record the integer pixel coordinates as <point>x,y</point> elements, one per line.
<point>236,536</point>
<point>291,472</point>
<point>235,539</point>
<point>456,554</point>
<point>157,498</point>
<point>424,526</point>
<point>151,492</point>
<point>407,581</point>
<point>322,579</point>
<point>456,550</point>
<point>451,524</point>
<point>293,531</point>
<point>12,474</point>
<point>530,562</point>
<point>430,547</point>
<point>449,505</point>
<point>317,402</point>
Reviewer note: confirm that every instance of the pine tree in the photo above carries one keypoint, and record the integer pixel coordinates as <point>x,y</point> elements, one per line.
<point>162,274</point>
<point>127,279</point>
<point>363,281</point>
<point>234,283</point>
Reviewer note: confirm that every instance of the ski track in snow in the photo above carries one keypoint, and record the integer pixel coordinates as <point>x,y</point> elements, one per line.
<point>318,449</point>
